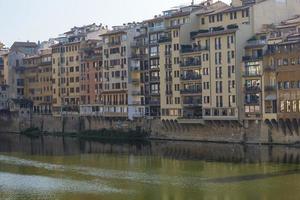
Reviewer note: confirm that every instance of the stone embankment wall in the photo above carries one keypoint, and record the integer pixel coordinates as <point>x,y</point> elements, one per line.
<point>282,131</point>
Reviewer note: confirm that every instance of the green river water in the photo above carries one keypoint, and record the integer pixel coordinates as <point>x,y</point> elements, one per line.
<point>63,169</point>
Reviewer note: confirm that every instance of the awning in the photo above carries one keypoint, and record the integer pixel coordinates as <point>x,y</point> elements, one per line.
<point>271,98</point>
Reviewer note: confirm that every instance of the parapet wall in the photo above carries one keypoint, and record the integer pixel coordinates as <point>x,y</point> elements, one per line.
<point>282,131</point>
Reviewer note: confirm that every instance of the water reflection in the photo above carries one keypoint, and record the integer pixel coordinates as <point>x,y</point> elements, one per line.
<point>55,146</point>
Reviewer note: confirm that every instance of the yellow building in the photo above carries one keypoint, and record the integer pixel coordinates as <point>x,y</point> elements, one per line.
<point>66,77</point>
<point>38,81</point>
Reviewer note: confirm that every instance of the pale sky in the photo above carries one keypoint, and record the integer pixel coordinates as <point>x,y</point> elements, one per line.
<point>34,20</point>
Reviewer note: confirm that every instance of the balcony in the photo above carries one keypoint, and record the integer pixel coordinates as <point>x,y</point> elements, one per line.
<point>154,79</point>
<point>190,77</point>
<point>194,102</point>
<point>252,102</point>
<point>154,67</point>
<point>191,91</point>
<point>252,74</point>
<point>256,43</point>
<point>139,43</point>
<point>165,39</point>
<point>139,56</point>
<point>252,58</point>
<point>154,102</point>
<point>190,49</point>
<point>46,63</point>
<point>253,89</point>
<point>156,28</point>
<point>195,63</point>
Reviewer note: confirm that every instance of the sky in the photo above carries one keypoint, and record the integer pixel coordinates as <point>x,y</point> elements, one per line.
<point>39,20</point>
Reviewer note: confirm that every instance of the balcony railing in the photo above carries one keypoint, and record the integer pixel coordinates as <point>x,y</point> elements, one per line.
<point>193,102</point>
<point>193,49</point>
<point>139,56</point>
<point>252,102</point>
<point>139,43</point>
<point>156,28</point>
<point>253,89</point>
<point>252,58</point>
<point>154,102</point>
<point>254,43</point>
<point>165,39</point>
<point>191,64</point>
<point>191,91</point>
<point>251,74</point>
<point>190,77</point>
<point>154,79</point>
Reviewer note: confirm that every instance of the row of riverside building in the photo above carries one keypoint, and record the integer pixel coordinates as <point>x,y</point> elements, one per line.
<point>206,61</point>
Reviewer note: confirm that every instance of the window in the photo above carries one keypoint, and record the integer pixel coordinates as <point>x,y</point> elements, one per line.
<point>219,87</point>
<point>154,89</point>
<point>282,106</point>
<point>175,33</point>
<point>177,100</point>
<point>288,106</point>
<point>294,108</point>
<point>218,72</point>
<point>154,51</point>
<point>286,85</point>
<point>176,47</point>
<point>202,21</point>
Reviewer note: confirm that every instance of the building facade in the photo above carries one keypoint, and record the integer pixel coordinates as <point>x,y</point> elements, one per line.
<point>14,67</point>
<point>38,81</point>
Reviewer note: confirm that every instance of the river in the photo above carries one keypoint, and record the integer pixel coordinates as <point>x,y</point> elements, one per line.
<point>54,168</point>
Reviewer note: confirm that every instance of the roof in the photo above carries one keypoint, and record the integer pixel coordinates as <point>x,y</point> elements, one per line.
<point>24,44</point>
<point>178,14</point>
<point>65,44</point>
<point>215,33</point>
<point>155,19</point>
<point>113,32</point>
